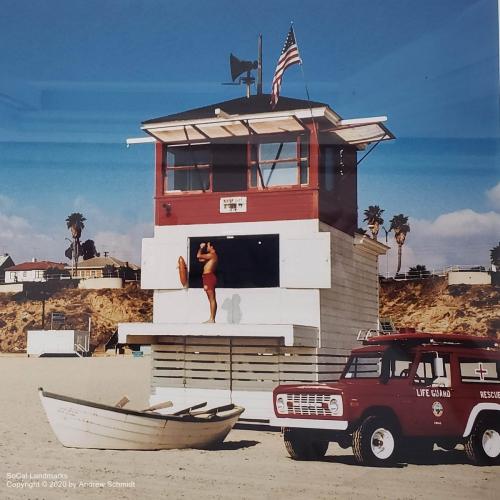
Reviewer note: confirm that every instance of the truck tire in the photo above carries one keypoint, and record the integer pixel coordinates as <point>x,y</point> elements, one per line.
<point>375,442</point>
<point>483,444</point>
<point>301,445</point>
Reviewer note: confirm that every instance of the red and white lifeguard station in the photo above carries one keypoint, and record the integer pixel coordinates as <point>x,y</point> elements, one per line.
<point>275,191</point>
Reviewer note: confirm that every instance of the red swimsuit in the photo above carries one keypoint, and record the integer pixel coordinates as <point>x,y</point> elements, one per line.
<point>209,281</point>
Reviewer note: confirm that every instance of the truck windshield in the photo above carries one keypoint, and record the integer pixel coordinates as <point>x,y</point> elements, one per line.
<point>393,363</point>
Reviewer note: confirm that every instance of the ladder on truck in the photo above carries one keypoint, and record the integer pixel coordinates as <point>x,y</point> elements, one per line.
<point>385,327</point>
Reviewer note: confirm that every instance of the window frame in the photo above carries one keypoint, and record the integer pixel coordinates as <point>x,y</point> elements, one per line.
<point>470,379</point>
<point>302,155</point>
<point>166,167</point>
<point>302,160</point>
<point>226,251</point>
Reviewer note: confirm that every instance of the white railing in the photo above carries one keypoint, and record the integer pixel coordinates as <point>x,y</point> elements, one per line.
<point>442,272</point>
<point>79,350</point>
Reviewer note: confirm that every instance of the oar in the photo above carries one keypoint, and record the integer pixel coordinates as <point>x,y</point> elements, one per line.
<point>160,406</point>
<point>190,409</point>
<point>214,411</point>
<point>123,401</point>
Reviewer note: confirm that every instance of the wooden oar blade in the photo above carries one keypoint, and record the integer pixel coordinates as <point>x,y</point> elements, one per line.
<point>160,406</point>
<point>123,401</point>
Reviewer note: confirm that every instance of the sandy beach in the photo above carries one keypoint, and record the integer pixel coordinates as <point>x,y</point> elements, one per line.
<point>250,464</point>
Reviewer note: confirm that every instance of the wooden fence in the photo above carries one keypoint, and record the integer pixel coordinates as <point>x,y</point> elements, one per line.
<point>237,364</point>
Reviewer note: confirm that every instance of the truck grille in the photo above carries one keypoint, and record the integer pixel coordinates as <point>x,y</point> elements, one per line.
<point>308,404</point>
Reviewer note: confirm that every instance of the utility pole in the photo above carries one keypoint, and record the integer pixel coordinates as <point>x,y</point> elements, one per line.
<point>259,67</point>
<point>387,253</point>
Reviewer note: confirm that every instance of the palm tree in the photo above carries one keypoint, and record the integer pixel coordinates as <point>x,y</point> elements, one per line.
<point>75,223</point>
<point>373,215</point>
<point>495,256</point>
<point>400,226</point>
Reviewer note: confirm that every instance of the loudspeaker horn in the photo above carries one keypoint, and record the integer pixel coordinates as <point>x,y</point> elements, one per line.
<point>238,67</point>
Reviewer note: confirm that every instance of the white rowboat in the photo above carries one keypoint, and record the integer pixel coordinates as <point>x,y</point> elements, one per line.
<point>83,424</point>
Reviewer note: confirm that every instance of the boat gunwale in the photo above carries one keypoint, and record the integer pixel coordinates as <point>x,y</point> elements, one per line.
<point>137,413</point>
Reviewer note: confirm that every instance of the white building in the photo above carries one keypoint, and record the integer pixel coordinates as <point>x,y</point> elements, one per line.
<point>30,271</point>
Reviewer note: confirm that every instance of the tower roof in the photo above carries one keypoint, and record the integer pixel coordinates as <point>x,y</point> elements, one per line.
<point>237,119</point>
<point>240,106</point>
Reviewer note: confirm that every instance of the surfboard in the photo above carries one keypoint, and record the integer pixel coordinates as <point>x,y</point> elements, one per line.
<point>182,271</point>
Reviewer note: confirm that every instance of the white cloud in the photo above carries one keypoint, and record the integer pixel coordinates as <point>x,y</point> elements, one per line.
<point>493,195</point>
<point>112,233</point>
<point>124,245</point>
<point>464,237</point>
<point>22,241</point>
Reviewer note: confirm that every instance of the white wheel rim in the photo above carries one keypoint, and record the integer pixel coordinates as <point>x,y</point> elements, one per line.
<point>382,443</point>
<point>491,443</point>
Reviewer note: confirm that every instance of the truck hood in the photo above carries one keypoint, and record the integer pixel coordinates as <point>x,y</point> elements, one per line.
<point>332,387</point>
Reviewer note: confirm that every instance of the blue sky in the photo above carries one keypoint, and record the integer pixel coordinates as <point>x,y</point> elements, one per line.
<point>78,77</point>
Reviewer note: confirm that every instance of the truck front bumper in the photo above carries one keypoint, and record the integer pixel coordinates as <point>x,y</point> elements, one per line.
<point>337,425</point>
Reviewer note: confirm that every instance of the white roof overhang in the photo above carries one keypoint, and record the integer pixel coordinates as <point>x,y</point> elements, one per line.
<point>357,132</point>
<point>361,131</point>
<point>232,126</point>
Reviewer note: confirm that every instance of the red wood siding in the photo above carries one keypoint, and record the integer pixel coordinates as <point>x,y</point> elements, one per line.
<point>313,157</point>
<point>338,207</point>
<point>159,169</point>
<point>281,203</point>
<point>204,208</point>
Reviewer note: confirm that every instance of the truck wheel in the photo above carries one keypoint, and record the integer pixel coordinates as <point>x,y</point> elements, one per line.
<point>375,442</point>
<point>301,445</point>
<point>483,444</point>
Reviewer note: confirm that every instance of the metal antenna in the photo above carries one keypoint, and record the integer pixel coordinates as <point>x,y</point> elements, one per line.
<point>259,67</point>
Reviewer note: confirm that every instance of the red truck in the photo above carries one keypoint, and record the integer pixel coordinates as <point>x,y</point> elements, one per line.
<point>399,395</point>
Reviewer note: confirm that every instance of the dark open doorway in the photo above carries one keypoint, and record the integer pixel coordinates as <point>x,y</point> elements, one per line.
<point>244,261</point>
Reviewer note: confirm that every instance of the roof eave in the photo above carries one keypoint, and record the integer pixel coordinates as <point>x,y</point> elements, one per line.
<point>301,114</point>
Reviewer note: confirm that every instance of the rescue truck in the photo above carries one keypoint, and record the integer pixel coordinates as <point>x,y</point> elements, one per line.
<point>398,395</point>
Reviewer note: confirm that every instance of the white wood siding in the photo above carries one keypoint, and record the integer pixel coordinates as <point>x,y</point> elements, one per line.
<point>352,301</point>
<point>244,371</point>
<point>305,262</point>
<point>159,263</point>
<point>244,305</point>
<point>301,243</point>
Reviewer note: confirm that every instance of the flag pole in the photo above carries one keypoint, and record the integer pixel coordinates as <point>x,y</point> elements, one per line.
<point>305,82</point>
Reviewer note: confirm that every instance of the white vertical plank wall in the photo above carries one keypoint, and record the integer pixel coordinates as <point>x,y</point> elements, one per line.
<point>241,370</point>
<point>189,369</point>
<point>351,303</point>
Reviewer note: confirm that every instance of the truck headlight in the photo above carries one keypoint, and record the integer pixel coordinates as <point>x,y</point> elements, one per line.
<point>281,403</point>
<point>335,405</point>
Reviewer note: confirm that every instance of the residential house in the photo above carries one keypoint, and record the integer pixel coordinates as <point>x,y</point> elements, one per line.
<point>5,262</point>
<point>106,267</point>
<point>30,271</point>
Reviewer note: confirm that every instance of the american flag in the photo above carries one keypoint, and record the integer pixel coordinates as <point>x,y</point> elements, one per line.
<point>289,56</point>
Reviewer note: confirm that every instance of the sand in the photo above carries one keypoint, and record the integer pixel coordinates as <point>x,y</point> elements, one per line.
<point>250,464</point>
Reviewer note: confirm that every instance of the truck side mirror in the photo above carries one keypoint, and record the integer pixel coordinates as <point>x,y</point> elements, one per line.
<point>439,367</point>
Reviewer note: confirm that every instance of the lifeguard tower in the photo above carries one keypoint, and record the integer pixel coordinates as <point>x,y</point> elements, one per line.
<point>275,191</point>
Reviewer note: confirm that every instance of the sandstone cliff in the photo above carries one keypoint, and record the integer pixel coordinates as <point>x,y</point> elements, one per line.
<point>433,306</point>
<point>107,308</point>
<point>428,305</point>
